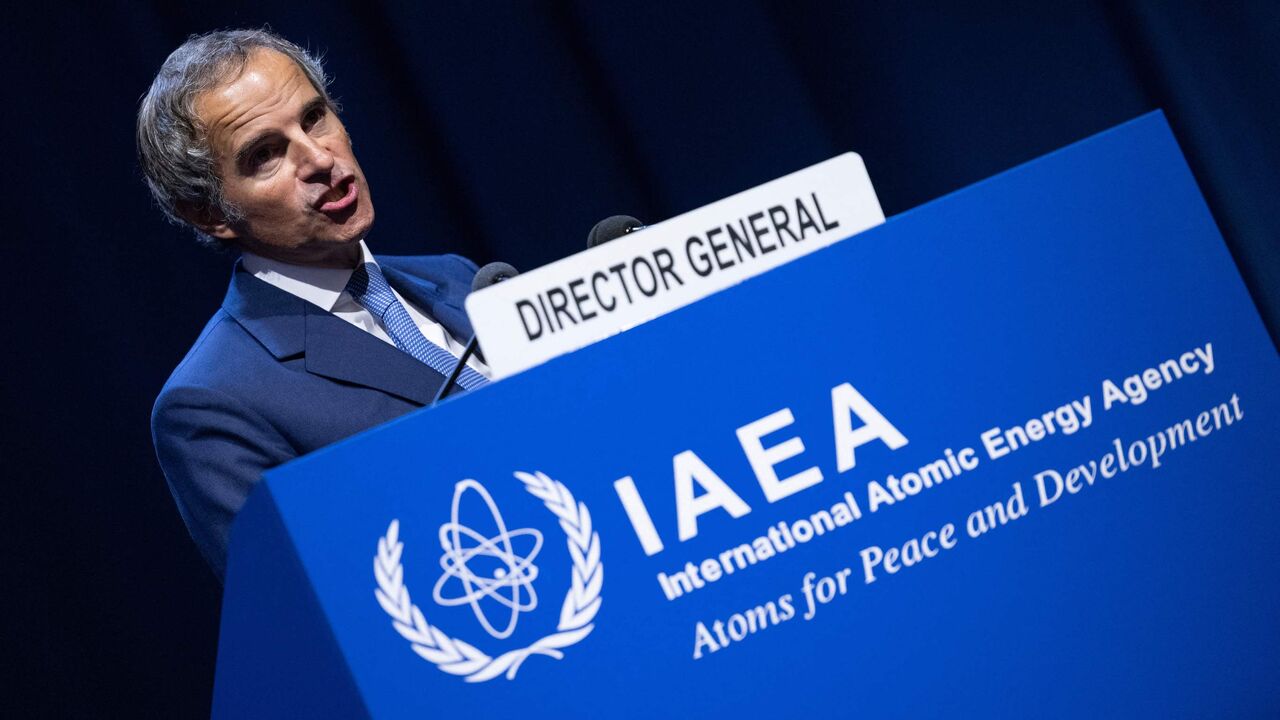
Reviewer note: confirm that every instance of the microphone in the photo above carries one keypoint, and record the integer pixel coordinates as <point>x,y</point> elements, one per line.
<point>612,228</point>
<point>491,274</point>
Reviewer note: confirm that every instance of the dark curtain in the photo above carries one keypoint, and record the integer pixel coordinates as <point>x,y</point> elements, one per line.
<point>504,130</point>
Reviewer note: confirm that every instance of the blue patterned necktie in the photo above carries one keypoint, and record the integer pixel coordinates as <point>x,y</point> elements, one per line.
<point>369,288</point>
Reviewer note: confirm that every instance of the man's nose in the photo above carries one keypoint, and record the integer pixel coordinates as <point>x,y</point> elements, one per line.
<point>315,160</point>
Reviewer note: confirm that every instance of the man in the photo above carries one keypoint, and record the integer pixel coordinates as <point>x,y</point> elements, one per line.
<point>316,339</point>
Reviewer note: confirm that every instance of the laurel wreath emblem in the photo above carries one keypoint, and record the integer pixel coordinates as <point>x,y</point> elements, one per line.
<point>457,657</point>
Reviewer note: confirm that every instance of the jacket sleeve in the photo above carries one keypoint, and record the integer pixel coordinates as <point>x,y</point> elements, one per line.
<point>213,451</point>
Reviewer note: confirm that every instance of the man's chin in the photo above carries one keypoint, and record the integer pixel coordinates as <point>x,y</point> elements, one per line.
<point>352,225</point>
<point>342,231</point>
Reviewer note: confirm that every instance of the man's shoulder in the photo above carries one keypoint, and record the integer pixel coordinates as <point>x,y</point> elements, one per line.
<point>436,268</point>
<point>423,277</point>
<point>223,356</point>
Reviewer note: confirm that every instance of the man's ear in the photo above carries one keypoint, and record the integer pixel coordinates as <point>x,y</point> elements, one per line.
<point>208,220</point>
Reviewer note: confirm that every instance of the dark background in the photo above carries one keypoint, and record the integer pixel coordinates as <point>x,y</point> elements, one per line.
<point>502,130</point>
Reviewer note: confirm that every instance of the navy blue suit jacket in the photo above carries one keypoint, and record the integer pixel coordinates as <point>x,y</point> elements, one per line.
<point>273,377</point>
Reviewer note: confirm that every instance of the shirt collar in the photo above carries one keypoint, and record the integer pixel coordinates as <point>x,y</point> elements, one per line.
<point>322,287</point>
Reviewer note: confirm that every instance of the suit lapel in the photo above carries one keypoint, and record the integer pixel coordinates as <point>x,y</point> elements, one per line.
<point>288,326</point>
<point>272,316</point>
<point>341,351</point>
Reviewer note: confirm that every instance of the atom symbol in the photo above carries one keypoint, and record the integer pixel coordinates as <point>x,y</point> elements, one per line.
<point>505,576</point>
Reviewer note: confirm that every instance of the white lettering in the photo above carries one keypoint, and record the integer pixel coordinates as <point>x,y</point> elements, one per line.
<point>845,400</point>
<point>688,468</point>
<point>764,460</point>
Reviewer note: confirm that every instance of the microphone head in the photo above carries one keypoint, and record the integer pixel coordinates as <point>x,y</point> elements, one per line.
<point>612,228</point>
<point>492,274</point>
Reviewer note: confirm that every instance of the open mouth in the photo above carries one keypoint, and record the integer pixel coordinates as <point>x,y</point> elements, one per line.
<point>339,197</point>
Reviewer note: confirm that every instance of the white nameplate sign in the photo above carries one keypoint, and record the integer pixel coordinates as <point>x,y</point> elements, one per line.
<point>571,303</point>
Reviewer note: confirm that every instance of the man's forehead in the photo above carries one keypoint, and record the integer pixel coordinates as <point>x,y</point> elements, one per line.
<point>269,82</point>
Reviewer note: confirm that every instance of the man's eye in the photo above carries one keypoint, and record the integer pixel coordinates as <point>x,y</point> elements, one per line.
<point>262,156</point>
<point>312,117</point>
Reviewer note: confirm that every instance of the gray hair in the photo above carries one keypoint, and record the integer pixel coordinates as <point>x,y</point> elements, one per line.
<point>173,147</point>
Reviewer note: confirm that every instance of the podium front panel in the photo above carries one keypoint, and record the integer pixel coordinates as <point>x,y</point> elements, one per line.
<point>1012,453</point>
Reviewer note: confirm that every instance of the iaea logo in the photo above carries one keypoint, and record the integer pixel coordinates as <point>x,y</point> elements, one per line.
<point>506,579</point>
<point>495,576</point>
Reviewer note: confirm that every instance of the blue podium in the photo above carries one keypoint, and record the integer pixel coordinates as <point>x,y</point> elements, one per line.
<point>1012,453</point>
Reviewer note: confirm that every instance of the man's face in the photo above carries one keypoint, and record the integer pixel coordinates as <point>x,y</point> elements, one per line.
<point>285,161</point>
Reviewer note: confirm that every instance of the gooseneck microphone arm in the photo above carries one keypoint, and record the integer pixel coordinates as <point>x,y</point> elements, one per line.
<point>490,274</point>
<point>452,380</point>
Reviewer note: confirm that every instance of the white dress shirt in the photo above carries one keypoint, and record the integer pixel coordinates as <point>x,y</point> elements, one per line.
<point>326,288</point>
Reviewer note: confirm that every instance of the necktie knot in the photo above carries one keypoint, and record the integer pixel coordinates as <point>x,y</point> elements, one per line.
<point>369,288</point>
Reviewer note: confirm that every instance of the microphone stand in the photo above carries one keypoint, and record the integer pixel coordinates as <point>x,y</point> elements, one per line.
<point>491,274</point>
<point>452,380</point>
